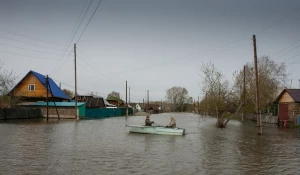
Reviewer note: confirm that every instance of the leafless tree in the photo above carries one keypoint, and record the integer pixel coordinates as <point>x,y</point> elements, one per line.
<point>218,99</point>
<point>113,94</point>
<point>177,97</point>
<point>272,78</point>
<point>7,80</point>
<point>69,93</point>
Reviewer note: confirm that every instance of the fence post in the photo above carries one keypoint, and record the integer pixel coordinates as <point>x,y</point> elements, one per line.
<point>5,114</point>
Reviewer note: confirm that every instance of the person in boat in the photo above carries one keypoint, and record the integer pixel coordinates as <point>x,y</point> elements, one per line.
<point>172,123</point>
<point>148,122</point>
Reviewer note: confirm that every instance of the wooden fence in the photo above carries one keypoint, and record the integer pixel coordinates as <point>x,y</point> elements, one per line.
<point>20,113</point>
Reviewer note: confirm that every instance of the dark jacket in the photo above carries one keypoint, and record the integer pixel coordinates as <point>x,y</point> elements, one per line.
<point>148,122</point>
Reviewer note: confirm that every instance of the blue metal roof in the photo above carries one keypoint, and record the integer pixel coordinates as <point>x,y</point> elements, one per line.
<point>64,104</point>
<point>56,91</point>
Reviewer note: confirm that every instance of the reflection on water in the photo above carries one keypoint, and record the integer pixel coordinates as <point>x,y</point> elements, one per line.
<point>104,147</point>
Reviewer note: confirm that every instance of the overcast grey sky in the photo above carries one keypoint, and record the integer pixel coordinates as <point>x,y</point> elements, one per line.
<point>153,44</point>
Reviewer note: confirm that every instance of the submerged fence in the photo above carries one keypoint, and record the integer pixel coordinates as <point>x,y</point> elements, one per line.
<point>20,113</point>
<point>106,112</point>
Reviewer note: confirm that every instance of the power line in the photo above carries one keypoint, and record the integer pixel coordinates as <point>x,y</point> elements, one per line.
<point>78,88</point>
<point>72,37</point>
<point>62,63</point>
<point>89,21</point>
<point>285,49</point>
<point>288,53</point>
<point>80,23</point>
<point>294,61</point>
<point>31,37</point>
<point>31,49</point>
<point>73,30</point>
<point>86,68</point>
<point>33,57</point>
<point>30,43</point>
<point>275,22</point>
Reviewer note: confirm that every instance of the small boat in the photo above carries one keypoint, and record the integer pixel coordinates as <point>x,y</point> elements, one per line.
<point>155,130</point>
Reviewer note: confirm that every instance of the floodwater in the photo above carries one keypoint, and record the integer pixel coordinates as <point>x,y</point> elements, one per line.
<point>104,147</point>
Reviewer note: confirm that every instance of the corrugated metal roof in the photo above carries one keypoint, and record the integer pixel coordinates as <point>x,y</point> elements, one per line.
<point>42,103</point>
<point>56,91</point>
<point>294,93</point>
<point>64,104</point>
<point>107,103</point>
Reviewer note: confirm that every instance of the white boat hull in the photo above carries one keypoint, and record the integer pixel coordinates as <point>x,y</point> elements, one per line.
<point>155,130</point>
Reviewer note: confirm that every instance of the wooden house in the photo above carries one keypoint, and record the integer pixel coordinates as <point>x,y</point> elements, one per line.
<point>288,105</point>
<point>33,87</point>
<point>92,101</point>
<point>116,101</point>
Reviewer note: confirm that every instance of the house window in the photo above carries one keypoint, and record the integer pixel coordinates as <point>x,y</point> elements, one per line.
<point>31,87</point>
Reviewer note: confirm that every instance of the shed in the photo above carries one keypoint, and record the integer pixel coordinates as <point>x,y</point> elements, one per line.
<point>65,109</point>
<point>92,101</point>
<point>288,105</point>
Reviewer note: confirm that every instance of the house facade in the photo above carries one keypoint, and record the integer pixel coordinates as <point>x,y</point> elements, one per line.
<point>289,105</point>
<point>138,107</point>
<point>35,87</point>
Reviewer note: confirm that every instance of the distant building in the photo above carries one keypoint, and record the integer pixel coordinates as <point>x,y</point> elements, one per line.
<point>92,101</point>
<point>116,101</point>
<point>289,105</point>
<point>108,105</point>
<point>151,108</point>
<point>33,87</point>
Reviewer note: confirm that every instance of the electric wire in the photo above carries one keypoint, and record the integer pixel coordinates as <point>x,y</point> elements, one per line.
<point>63,59</point>
<point>73,30</point>
<point>80,23</point>
<point>30,49</point>
<point>89,21</point>
<point>54,73</point>
<point>32,37</point>
<point>32,57</point>
<point>31,43</point>
<point>275,22</point>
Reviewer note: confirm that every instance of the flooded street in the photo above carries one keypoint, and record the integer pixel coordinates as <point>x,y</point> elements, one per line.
<point>105,147</point>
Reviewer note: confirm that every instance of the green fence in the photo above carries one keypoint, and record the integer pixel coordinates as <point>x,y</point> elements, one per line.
<point>106,112</point>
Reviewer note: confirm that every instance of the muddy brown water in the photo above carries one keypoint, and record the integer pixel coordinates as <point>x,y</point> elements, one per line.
<point>104,146</point>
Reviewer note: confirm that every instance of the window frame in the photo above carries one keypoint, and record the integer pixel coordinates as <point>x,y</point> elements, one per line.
<point>31,87</point>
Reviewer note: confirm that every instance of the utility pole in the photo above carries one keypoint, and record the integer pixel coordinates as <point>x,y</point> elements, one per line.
<point>47,85</point>
<point>258,114</point>
<point>148,99</point>
<point>161,107</point>
<point>129,95</point>
<point>194,105</point>
<point>198,106</point>
<point>244,94</point>
<point>126,102</point>
<point>76,115</point>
